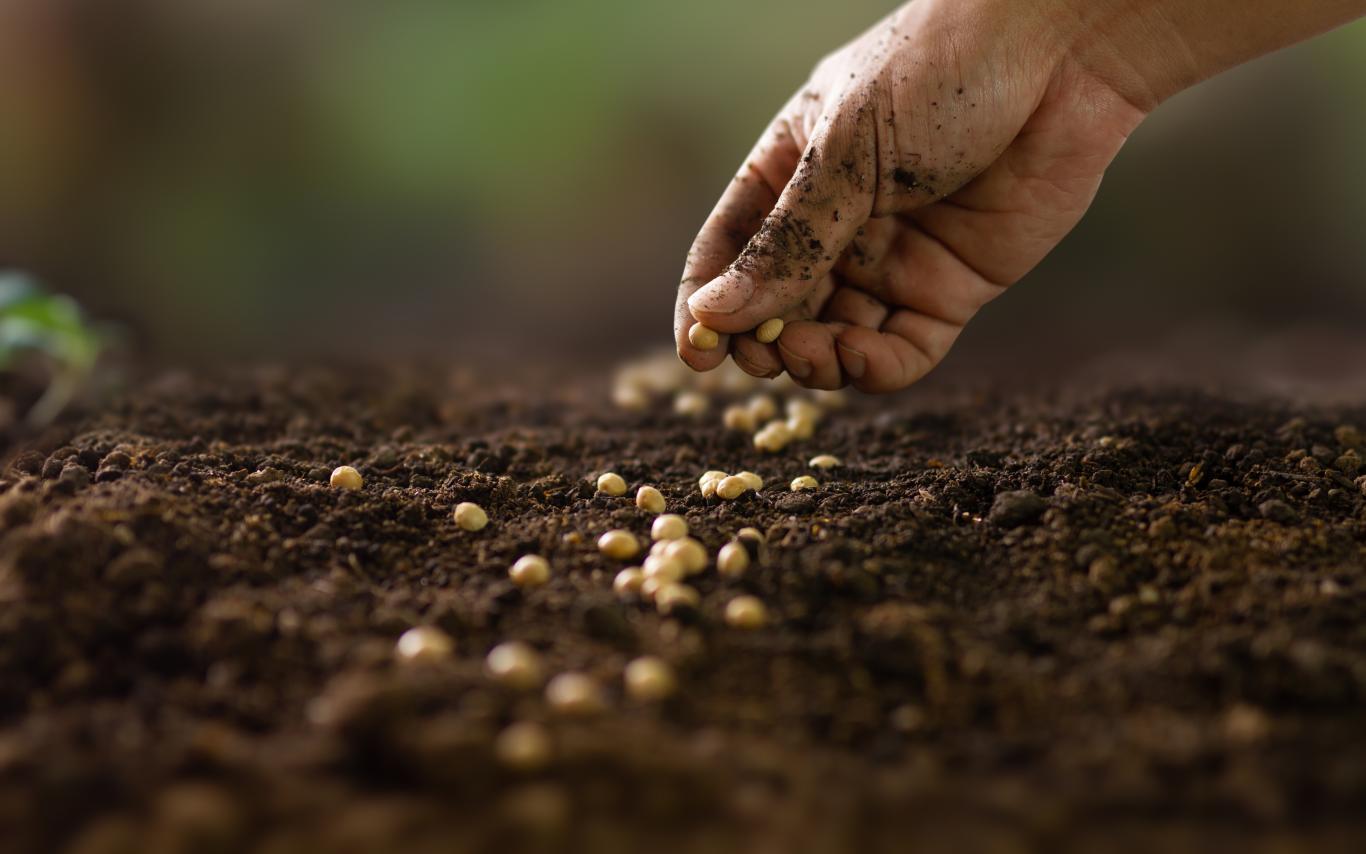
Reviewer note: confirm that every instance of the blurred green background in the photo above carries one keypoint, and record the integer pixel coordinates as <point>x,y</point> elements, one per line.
<point>289,177</point>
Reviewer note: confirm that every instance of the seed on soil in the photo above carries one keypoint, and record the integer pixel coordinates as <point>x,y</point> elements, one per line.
<point>752,480</point>
<point>739,418</point>
<point>689,552</point>
<point>773,437</point>
<point>801,427</point>
<point>345,477</point>
<point>575,694</point>
<point>649,587</point>
<point>530,571</point>
<point>762,407</point>
<point>746,612</point>
<point>732,487</point>
<point>702,337</point>
<point>650,500</point>
<point>523,746</point>
<point>424,644</point>
<point>824,461</point>
<point>732,560</point>
<point>611,483</point>
<point>751,534</point>
<point>769,330</point>
<point>628,581</point>
<point>619,544</point>
<point>670,526</point>
<point>804,482</point>
<point>691,403</point>
<point>470,516</point>
<point>665,568</point>
<point>514,665</point>
<point>671,597</point>
<point>650,679</point>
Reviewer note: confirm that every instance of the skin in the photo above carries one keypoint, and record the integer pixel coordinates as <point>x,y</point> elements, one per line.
<point>936,159</point>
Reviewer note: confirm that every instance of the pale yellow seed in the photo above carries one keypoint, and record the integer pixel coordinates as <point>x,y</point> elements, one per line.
<point>806,481</point>
<point>470,516</point>
<point>632,398</point>
<point>658,547</point>
<point>422,644</point>
<point>738,418</point>
<point>575,694</point>
<point>732,560</point>
<point>703,338</point>
<point>746,612</point>
<point>628,581</point>
<point>670,526</point>
<point>708,488</point>
<point>691,404</point>
<point>649,679</point>
<point>762,407</point>
<point>650,500</point>
<point>649,587</point>
<point>665,568</point>
<point>345,477</point>
<point>752,480</point>
<point>530,571</point>
<point>524,746</point>
<point>671,597</point>
<point>773,437</point>
<point>689,552</point>
<point>712,475</point>
<point>514,665</point>
<point>824,461</point>
<point>769,330</point>
<point>800,407</point>
<point>751,533</point>
<point>619,544</point>
<point>801,427</point>
<point>732,487</point>
<point>611,483</point>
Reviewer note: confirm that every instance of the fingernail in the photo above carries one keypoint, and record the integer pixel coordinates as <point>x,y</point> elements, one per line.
<point>855,363</point>
<point>726,295</point>
<point>796,365</point>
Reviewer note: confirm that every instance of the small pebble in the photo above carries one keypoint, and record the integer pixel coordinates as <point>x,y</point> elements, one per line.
<point>746,612</point>
<point>650,679</point>
<point>1015,508</point>
<point>824,461</point>
<point>702,337</point>
<point>524,746</point>
<point>769,330</point>
<point>575,694</point>
<point>650,500</point>
<point>732,560</point>
<point>345,477</point>
<point>669,527</point>
<point>619,544</point>
<point>514,665</point>
<point>804,482</point>
<point>611,483</point>
<point>530,571</point>
<point>424,644</point>
<point>470,516</point>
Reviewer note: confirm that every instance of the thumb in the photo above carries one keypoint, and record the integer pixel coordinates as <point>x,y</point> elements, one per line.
<point>818,214</point>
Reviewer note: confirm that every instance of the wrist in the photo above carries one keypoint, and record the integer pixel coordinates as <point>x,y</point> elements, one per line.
<point>1133,47</point>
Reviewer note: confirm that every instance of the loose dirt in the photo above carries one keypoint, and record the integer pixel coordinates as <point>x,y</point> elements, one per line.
<point>1027,621</point>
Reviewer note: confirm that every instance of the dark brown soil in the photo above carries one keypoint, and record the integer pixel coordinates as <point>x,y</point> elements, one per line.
<point>1028,622</point>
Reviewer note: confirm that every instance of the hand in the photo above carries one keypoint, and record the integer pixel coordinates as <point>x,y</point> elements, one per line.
<point>924,168</point>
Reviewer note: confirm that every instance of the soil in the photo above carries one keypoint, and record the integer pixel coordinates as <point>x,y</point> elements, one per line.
<point>1036,620</point>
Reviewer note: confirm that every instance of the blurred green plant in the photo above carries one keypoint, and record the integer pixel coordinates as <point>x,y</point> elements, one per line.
<point>52,327</point>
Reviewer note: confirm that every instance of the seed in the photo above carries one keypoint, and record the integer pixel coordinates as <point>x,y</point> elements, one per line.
<point>632,398</point>
<point>762,408</point>
<point>345,477</point>
<point>470,516</point>
<point>670,597</point>
<point>650,587</point>
<point>732,560</point>
<point>575,694</point>
<point>769,330</point>
<point>619,544</point>
<point>523,746</point>
<point>665,568</point>
<point>689,552</point>
<point>738,418</point>
<point>806,481</point>
<point>514,665</point>
<point>628,581</point>
<point>752,480</point>
<point>773,437</point>
<point>801,427</point>
<point>650,500</point>
<point>751,534</point>
<point>670,526</point>
<point>703,338</point>
<point>746,612</point>
<point>800,407</point>
<point>650,679</point>
<point>530,571</point>
<point>612,484</point>
<point>712,477</point>
<point>424,644</point>
<point>830,398</point>
<point>732,487</point>
<point>824,461</point>
<point>691,403</point>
